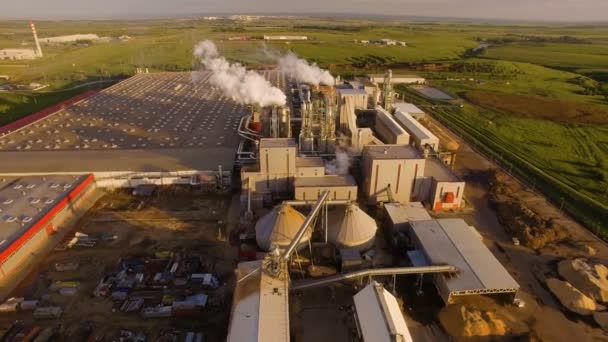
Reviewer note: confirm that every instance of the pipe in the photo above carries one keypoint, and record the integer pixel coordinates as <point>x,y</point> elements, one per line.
<point>302,285</point>
<point>303,202</point>
<point>311,216</point>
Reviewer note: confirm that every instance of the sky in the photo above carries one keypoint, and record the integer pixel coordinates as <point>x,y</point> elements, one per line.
<point>523,10</point>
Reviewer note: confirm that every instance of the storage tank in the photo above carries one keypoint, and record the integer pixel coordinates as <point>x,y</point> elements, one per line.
<point>351,227</point>
<point>279,227</point>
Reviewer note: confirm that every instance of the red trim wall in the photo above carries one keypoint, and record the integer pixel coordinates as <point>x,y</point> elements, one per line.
<point>13,126</point>
<point>44,220</point>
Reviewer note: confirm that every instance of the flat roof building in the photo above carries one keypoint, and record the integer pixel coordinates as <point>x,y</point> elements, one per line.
<point>454,242</point>
<point>339,187</point>
<point>398,167</point>
<point>388,129</point>
<point>32,208</point>
<point>442,189</point>
<point>379,317</point>
<point>260,308</point>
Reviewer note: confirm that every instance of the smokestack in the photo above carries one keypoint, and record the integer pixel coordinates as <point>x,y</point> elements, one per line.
<point>38,49</point>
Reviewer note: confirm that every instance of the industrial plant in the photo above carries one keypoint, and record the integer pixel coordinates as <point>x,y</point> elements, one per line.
<point>338,185</point>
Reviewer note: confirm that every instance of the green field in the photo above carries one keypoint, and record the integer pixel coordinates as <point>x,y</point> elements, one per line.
<point>536,99</point>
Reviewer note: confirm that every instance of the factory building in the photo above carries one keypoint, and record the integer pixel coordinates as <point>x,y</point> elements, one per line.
<point>260,307</point>
<point>32,209</point>
<point>17,54</point>
<point>275,172</point>
<point>392,173</point>
<point>379,317</point>
<point>442,189</point>
<point>454,242</point>
<point>405,79</point>
<point>350,100</point>
<point>420,136</point>
<point>388,129</point>
<point>310,167</point>
<point>339,187</point>
<point>410,109</point>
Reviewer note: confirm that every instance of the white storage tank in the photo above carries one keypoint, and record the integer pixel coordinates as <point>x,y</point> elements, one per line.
<point>351,227</point>
<point>279,227</point>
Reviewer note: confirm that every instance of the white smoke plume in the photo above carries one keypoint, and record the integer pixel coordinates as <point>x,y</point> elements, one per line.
<point>302,71</point>
<point>242,85</point>
<point>339,165</point>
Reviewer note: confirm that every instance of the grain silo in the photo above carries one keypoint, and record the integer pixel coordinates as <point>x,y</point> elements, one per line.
<point>279,227</point>
<point>351,227</point>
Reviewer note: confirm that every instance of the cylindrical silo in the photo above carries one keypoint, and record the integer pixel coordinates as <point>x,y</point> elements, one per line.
<point>279,227</point>
<point>351,227</point>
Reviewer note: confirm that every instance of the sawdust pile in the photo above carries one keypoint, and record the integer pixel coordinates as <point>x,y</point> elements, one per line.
<point>601,318</point>
<point>474,323</point>
<point>590,279</point>
<point>532,230</point>
<point>573,299</point>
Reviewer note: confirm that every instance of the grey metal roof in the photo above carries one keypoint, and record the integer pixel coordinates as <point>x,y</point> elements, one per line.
<point>400,213</point>
<point>437,169</point>
<point>24,200</point>
<point>453,242</point>
<point>407,107</point>
<point>150,160</point>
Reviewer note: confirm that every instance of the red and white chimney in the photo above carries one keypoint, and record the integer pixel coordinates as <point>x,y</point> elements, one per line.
<point>38,49</point>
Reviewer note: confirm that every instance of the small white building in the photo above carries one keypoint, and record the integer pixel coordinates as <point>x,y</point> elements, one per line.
<point>285,37</point>
<point>410,109</point>
<point>378,316</point>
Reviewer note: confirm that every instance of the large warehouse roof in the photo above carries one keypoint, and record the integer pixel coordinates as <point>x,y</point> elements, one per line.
<point>379,315</point>
<point>151,160</point>
<point>453,242</point>
<point>260,309</point>
<point>168,121</point>
<point>23,200</point>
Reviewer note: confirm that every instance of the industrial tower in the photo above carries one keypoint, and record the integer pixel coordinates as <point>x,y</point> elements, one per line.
<point>38,49</point>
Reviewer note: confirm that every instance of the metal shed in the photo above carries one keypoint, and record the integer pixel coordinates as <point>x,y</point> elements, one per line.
<point>453,242</point>
<point>388,129</point>
<point>420,136</point>
<point>260,309</point>
<point>379,317</point>
<point>400,215</point>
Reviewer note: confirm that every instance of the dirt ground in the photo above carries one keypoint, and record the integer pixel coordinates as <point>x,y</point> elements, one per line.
<point>546,318</point>
<point>180,223</point>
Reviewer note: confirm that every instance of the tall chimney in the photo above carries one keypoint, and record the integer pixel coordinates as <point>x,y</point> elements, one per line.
<point>38,49</point>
